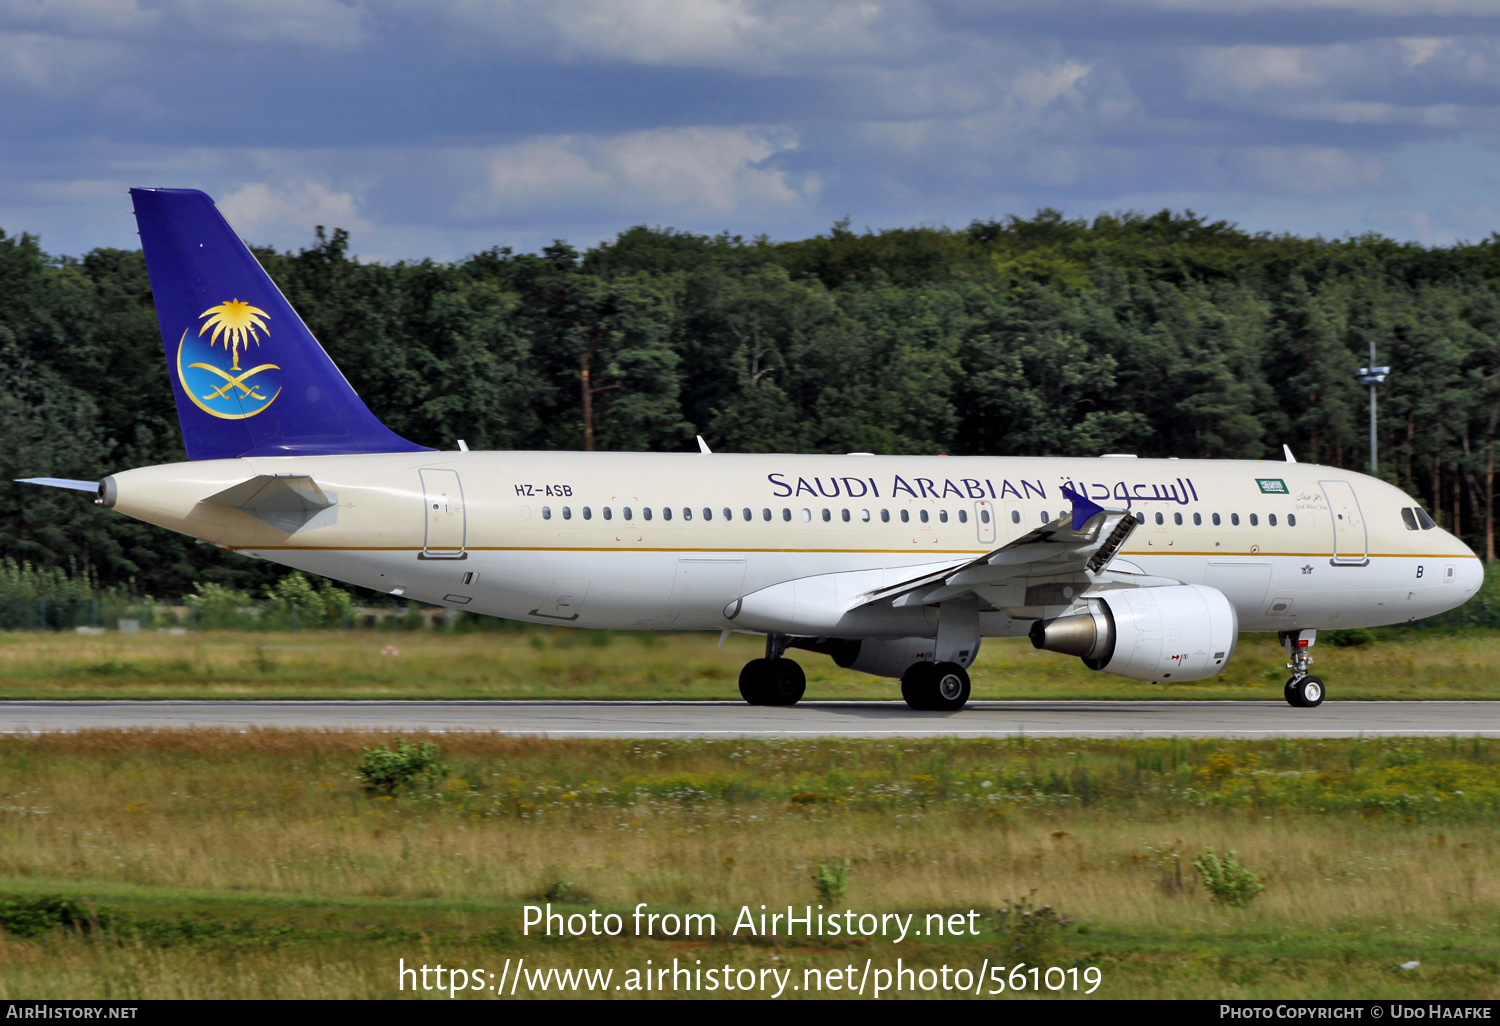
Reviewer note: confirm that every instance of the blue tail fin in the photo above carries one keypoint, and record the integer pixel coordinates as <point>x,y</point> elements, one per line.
<point>249,378</point>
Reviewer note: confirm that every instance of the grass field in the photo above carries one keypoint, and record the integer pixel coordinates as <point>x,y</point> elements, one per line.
<point>255,865</point>
<point>563,663</point>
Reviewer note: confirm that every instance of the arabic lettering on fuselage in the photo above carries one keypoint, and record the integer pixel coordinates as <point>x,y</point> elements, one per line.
<point>785,486</point>
<point>1181,493</point>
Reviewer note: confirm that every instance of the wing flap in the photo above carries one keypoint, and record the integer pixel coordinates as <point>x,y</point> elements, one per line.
<point>1056,555</point>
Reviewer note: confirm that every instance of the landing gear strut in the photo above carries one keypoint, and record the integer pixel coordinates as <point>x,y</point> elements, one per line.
<point>1303,690</point>
<point>773,680</point>
<point>935,687</point>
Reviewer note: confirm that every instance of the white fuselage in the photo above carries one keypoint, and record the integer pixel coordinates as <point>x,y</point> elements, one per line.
<point>671,541</point>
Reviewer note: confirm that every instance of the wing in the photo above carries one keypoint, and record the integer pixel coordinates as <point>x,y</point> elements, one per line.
<point>1047,567</point>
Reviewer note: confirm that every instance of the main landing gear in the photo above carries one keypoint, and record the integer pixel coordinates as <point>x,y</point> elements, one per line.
<point>773,680</point>
<point>1303,691</point>
<point>935,687</point>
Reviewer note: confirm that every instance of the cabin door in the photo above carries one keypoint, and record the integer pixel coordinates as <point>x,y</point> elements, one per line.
<point>443,498</point>
<point>1351,543</point>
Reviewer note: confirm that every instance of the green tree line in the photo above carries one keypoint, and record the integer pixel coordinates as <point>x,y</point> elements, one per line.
<point>1163,335</point>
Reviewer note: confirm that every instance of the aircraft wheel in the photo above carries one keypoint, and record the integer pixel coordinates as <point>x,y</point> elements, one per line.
<point>785,683</point>
<point>772,682</point>
<point>1305,692</point>
<point>914,687</point>
<point>935,687</point>
<point>950,687</point>
<point>753,681</point>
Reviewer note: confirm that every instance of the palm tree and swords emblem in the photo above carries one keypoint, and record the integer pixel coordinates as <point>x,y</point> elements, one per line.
<point>236,324</point>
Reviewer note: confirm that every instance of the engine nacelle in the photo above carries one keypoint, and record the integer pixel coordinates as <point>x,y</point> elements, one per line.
<point>1183,632</point>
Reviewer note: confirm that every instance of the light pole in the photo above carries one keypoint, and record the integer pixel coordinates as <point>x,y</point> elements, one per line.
<point>1372,376</point>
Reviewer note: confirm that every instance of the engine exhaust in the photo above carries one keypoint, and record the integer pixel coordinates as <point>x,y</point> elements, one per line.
<point>1090,636</point>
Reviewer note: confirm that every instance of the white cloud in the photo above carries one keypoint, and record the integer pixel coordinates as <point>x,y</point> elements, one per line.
<point>318,23</point>
<point>699,170</point>
<point>1308,170</point>
<point>1403,8</point>
<point>759,36</point>
<point>263,213</point>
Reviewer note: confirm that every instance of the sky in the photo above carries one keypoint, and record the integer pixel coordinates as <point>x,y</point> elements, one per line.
<point>445,127</point>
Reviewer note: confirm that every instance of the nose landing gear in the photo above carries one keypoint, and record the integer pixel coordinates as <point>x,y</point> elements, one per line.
<point>1303,691</point>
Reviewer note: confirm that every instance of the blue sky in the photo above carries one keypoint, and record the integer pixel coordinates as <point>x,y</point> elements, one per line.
<point>439,128</point>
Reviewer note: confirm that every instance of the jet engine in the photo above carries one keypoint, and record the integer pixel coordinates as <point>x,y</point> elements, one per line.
<point>1181,632</point>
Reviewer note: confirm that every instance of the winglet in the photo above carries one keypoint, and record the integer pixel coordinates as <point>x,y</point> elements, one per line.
<point>1288,450</point>
<point>1083,507</point>
<point>703,447</point>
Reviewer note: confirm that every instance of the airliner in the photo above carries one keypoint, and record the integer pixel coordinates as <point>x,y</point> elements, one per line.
<point>893,566</point>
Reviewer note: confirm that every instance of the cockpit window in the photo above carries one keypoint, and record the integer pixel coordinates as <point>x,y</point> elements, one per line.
<point>1410,517</point>
<point>1426,521</point>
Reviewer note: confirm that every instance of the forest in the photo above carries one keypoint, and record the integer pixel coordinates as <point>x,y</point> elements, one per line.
<point>1163,334</point>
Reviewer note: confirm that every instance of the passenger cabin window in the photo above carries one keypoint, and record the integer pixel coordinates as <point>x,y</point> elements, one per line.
<point>1160,520</point>
<point>588,514</point>
<point>1177,519</point>
<point>666,512</point>
<point>1271,519</point>
<point>942,516</point>
<point>845,515</point>
<point>1197,519</point>
<point>923,515</point>
<point>765,513</point>
<point>708,514</point>
<point>750,516</point>
<point>608,513</point>
<point>827,514</point>
<point>786,514</point>
<point>687,513</point>
<point>1426,521</point>
<point>885,516</point>
<point>1234,518</point>
<point>546,512</point>
<point>1044,517</point>
<point>1015,516</point>
<point>567,512</point>
<point>1217,521</point>
<point>1291,520</point>
<point>646,512</point>
<point>1254,520</point>
<point>905,516</point>
<point>806,515</point>
<point>729,514</point>
<point>984,516</point>
<point>864,515</point>
<point>626,514</point>
<point>963,516</point>
<point>1410,518</point>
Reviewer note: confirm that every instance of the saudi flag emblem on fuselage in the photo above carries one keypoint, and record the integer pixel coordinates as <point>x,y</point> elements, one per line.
<point>212,377</point>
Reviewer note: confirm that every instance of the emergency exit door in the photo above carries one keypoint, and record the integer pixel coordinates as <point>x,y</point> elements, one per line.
<point>443,498</point>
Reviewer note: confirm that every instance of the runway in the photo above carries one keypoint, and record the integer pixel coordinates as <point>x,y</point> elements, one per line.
<point>735,719</point>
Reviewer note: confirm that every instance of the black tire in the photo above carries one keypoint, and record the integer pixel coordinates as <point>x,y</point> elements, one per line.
<point>949,687</point>
<point>755,681</point>
<point>1293,699</point>
<point>1310,692</point>
<point>785,683</point>
<point>914,687</point>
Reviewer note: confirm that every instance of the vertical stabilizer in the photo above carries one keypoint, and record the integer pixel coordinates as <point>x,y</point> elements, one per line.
<point>248,377</point>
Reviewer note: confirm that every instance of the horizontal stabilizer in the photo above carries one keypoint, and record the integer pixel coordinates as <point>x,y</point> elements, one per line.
<point>287,501</point>
<point>62,482</point>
